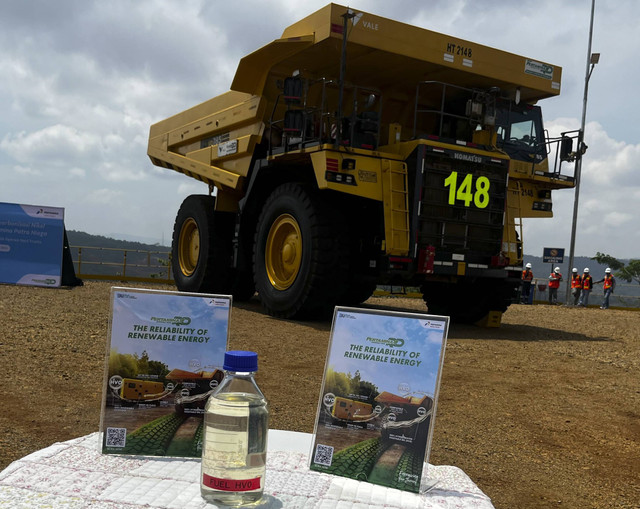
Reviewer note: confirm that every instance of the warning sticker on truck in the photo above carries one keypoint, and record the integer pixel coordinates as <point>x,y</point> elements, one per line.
<point>227,148</point>
<point>367,176</point>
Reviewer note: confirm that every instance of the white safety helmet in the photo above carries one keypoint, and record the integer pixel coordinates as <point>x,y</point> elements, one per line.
<point>574,270</point>
<point>527,266</point>
<point>607,270</point>
<point>586,270</point>
<point>557,269</point>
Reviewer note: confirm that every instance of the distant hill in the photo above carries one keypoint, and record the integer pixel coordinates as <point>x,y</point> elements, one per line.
<point>77,238</point>
<point>99,255</point>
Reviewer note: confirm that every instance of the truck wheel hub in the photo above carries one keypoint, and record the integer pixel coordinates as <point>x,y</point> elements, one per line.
<point>189,247</point>
<point>283,252</point>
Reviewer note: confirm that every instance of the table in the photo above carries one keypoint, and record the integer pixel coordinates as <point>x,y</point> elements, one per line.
<point>74,474</point>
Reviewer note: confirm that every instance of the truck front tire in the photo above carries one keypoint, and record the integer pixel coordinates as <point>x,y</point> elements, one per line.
<point>200,250</point>
<point>299,259</point>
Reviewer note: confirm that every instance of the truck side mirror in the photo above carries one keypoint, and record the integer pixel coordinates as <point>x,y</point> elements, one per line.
<point>566,149</point>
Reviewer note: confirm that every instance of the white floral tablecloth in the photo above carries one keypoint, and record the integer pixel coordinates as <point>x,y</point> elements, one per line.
<point>74,475</point>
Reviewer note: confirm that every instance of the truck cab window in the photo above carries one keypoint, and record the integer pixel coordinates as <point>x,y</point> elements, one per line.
<point>520,128</point>
<point>523,132</point>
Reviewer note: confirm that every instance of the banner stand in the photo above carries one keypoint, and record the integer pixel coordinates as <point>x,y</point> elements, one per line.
<point>68,271</point>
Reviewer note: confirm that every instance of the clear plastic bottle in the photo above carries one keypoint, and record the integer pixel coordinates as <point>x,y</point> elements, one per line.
<point>236,422</point>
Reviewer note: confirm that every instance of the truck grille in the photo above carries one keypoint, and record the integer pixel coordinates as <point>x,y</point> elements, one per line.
<point>461,204</point>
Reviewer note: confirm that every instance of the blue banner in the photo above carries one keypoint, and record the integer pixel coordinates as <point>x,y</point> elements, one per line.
<point>31,244</point>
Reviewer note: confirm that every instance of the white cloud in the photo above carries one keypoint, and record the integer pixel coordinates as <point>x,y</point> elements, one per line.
<point>609,188</point>
<point>56,144</point>
<point>104,196</point>
<point>615,219</point>
<point>77,172</point>
<point>191,187</point>
<point>27,170</point>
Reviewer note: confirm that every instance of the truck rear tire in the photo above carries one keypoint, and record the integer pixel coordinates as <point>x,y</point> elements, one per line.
<point>467,302</point>
<point>298,261</point>
<point>200,248</point>
<point>359,290</point>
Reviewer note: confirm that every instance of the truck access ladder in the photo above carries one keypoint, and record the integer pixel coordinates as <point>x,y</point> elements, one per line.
<point>396,206</point>
<point>513,236</point>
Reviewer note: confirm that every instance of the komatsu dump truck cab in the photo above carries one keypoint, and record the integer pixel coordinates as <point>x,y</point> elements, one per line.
<point>358,151</point>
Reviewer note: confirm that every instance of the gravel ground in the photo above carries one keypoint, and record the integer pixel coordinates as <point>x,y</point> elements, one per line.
<point>542,412</point>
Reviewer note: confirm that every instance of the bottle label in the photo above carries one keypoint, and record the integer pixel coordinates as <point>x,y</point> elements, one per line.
<point>231,484</point>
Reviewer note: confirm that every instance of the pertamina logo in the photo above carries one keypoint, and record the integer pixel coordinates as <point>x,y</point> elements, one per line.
<point>176,320</point>
<point>48,281</point>
<point>538,69</point>
<point>391,342</point>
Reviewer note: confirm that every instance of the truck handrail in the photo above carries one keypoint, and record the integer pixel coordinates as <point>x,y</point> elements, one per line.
<point>441,112</point>
<point>556,144</point>
<point>322,118</point>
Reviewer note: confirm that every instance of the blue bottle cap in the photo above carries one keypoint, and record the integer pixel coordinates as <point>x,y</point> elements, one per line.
<point>240,360</point>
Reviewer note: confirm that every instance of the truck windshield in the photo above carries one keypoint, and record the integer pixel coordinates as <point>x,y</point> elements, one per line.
<point>520,131</point>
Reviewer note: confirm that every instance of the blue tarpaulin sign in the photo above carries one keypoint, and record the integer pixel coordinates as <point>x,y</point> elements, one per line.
<point>553,254</point>
<point>31,244</point>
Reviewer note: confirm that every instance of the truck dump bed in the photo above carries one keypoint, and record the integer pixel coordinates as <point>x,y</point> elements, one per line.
<point>386,54</point>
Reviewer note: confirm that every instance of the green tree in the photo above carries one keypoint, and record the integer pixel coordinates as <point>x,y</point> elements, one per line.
<point>163,262</point>
<point>143,362</point>
<point>125,365</point>
<point>355,382</point>
<point>337,383</point>
<point>367,388</point>
<point>344,384</point>
<point>629,272</point>
<point>158,368</point>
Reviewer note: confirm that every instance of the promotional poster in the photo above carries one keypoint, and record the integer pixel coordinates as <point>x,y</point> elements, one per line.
<point>378,400</point>
<point>31,244</point>
<point>164,358</point>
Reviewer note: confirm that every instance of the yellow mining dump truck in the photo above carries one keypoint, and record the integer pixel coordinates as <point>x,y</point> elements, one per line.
<point>356,151</point>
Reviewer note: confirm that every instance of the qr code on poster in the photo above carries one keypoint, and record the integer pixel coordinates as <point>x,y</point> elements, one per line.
<point>116,437</point>
<point>324,455</point>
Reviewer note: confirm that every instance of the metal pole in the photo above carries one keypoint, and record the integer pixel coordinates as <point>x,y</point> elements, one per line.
<point>343,71</point>
<point>579,151</point>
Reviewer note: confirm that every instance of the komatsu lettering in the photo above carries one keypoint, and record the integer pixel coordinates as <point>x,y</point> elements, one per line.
<point>467,157</point>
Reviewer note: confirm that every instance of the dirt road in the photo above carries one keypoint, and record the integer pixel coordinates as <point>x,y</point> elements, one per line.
<point>543,412</point>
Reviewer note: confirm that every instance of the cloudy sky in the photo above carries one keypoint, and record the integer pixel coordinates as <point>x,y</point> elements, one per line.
<point>82,81</point>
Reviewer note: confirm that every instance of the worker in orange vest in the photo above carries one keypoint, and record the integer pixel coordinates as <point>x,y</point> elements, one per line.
<point>608,286</point>
<point>576,286</point>
<point>554,283</point>
<point>587,286</point>
<point>527,277</point>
